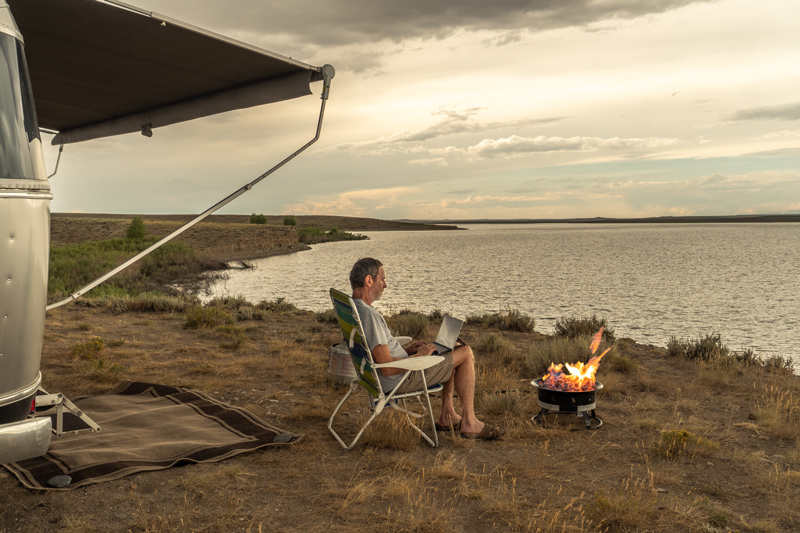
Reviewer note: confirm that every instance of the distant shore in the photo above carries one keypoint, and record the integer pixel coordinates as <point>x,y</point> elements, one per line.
<point>602,220</point>
<point>319,221</point>
<point>223,238</point>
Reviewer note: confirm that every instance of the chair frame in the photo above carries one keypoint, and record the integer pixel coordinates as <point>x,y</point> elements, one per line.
<point>368,378</point>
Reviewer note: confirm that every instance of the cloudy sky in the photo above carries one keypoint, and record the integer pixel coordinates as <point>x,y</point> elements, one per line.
<point>476,109</point>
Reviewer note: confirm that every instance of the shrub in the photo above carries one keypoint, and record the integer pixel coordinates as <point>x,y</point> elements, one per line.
<point>777,363</point>
<point>711,349</point>
<point>206,317</point>
<point>512,320</point>
<point>327,316</point>
<point>101,369</point>
<point>491,344</point>
<point>410,324</point>
<point>258,219</point>
<point>88,348</point>
<point>136,231</point>
<point>436,315</point>
<point>234,336</point>
<point>231,303</point>
<point>279,305</point>
<point>583,327</point>
<point>619,363</point>
<point>289,220</point>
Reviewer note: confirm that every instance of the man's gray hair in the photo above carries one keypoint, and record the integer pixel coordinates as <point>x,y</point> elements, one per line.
<point>364,267</point>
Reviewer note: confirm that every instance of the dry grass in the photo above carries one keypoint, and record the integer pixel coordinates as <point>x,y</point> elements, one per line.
<point>736,469</point>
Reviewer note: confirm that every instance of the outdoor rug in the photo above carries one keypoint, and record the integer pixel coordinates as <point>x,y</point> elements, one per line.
<point>145,426</point>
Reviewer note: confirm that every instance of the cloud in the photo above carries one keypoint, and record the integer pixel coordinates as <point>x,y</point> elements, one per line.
<point>353,203</point>
<point>339,31</point>
<point>517,146</point>
<point>778,112</point>
<point>452,122</point>
<point>436,161</point>
<point>367,21</point>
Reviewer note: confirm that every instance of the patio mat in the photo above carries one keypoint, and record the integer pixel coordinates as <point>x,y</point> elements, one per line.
<point>148,427</point>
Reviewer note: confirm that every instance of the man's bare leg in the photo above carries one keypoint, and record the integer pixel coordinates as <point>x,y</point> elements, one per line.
<point>449,417</point>
<point>464,384</point>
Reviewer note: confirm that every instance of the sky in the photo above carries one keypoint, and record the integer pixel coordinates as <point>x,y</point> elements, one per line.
<point>468,109</point>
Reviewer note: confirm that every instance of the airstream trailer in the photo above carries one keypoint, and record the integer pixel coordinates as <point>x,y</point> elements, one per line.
<point>24,249</point>
<point>89,74</point>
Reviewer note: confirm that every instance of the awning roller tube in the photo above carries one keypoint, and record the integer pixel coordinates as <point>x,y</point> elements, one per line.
<point>265,92</point>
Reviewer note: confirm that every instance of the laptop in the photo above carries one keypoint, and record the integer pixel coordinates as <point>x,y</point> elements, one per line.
<point>448,335</point>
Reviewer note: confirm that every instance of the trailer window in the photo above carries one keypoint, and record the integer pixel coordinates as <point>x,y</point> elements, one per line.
<point>18,124</point>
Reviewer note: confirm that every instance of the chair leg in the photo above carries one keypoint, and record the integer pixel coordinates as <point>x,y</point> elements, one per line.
<point>350,446</point>
<point>429,411</point>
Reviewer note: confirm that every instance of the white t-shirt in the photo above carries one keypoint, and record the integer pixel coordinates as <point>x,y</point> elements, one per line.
<point>377,333</point>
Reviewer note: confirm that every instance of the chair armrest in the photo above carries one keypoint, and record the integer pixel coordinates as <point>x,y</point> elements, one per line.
<point>403,340</point>
<point>413,363</point>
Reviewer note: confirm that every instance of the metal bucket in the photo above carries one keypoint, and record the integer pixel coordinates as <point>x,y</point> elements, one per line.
<point>340,365</point>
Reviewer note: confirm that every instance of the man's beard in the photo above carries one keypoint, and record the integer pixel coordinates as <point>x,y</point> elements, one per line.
<point>376,295</point>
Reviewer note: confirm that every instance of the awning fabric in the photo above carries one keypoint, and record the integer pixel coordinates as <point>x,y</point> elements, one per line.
<point>99,68</point>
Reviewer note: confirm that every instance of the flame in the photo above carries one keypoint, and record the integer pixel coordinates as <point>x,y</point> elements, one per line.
<point>581,375</point>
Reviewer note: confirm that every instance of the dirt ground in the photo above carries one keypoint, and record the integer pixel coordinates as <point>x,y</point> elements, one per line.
<point>736,469</point>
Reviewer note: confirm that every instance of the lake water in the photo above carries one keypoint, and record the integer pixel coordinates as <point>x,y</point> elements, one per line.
<point>650,281</point>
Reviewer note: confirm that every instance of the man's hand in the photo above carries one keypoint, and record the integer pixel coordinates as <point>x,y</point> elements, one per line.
<point>412,348</point>
<point>425,349</point>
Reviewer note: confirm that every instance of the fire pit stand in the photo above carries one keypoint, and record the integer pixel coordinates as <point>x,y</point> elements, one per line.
<point>581,403</point>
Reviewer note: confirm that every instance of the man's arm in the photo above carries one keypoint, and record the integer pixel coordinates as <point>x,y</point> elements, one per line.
<point>380,354</point>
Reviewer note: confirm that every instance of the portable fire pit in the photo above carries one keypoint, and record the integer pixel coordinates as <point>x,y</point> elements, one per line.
<point>582,403</point>
<point>572,391</point>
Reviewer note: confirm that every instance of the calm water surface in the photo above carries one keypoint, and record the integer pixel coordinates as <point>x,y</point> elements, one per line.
<point>650,281</point>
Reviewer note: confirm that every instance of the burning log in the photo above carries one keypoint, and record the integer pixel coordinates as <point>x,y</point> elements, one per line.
<point>581,375</point>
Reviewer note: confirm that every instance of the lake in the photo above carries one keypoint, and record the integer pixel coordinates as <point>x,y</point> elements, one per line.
<point>650,281</point>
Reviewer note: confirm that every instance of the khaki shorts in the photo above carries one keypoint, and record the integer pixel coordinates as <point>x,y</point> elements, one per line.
<point>433,375</point>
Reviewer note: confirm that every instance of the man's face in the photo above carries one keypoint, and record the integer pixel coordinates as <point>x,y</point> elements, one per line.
<point>378,284</point>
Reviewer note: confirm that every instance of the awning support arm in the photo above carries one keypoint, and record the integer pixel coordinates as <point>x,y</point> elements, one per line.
<point>327,72</point>
<point>55,170</point>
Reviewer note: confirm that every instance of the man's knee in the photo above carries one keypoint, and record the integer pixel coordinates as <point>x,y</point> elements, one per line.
<point>463,354</point>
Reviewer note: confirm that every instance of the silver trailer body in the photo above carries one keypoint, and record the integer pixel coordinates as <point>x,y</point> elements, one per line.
<point>24,252</point>
<point>92,69</point>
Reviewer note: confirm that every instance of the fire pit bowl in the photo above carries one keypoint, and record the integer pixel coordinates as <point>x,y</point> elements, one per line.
<point>582,403</point>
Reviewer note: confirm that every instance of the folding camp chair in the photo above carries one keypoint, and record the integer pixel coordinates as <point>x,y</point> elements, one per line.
<point>367,375</point>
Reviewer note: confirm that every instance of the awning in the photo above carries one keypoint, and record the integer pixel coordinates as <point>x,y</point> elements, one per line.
<point>101,68</point>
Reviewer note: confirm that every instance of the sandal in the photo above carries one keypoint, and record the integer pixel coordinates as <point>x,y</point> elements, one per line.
<point>487,433</point>
<point>454,427</point>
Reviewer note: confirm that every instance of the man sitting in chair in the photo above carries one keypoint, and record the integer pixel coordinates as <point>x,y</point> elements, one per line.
<point>457,371</point>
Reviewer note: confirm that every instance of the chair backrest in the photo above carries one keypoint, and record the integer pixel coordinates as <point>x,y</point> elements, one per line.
<point>353,333</point>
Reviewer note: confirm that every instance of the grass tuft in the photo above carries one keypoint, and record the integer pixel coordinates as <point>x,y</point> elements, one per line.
<point>573,327</point>
<point>392,432</point>
<point>682,442</point>
<point>628,508</point>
